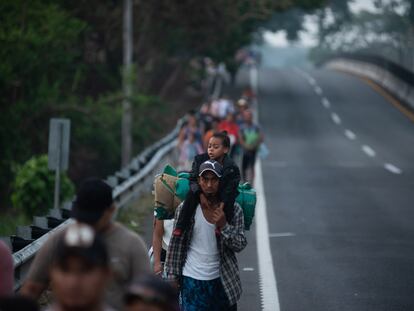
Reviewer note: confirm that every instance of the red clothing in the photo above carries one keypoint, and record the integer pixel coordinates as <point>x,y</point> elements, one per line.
<point>231,128</point>
<point>6,271</point>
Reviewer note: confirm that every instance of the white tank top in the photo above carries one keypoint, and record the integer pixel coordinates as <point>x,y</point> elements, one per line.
<point>168,229</point>
<point>203,262</point>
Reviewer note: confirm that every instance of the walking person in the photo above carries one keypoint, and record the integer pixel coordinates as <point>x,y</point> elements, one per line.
<point>160,240</point>
<point>80,271</point>
<point>251,137</point>
<point>129,260</point>
<point>202,261</point>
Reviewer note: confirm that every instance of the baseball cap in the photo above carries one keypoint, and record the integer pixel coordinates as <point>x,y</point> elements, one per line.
<point>81,241</point>
<point>92,199</point>
<point>213,166</point>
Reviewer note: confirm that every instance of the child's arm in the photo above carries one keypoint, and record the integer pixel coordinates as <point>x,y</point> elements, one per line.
<point>230,182</point>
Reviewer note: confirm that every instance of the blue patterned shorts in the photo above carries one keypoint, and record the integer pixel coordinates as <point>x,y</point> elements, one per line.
<point>196,295</point>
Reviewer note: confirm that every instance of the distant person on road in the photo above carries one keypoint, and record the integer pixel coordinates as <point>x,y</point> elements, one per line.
<point>190,142</point>
<point>202,262</point>
<point>151,293</point>
<point>230,126</point>
<point>80,271</point>
<point>218,148</point>
<point>129,260</point>
<point>251,137</point>
<point>209,133</point>
<point>6,271</point>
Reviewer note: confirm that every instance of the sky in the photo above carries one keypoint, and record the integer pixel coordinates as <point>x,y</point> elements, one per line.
<point>307,38</point>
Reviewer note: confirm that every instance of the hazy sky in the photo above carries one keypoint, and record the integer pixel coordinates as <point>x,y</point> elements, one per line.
<point>307,38</point>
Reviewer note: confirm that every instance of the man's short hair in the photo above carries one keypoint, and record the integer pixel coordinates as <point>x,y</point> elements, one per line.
<point>93,198</point>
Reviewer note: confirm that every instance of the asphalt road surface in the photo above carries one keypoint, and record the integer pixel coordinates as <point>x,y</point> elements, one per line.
<point>339,186</point>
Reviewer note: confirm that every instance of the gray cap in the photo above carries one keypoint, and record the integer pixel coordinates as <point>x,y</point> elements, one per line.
<point>213,166</point>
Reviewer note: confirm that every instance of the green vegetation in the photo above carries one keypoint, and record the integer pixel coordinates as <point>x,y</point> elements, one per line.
<point>64,59</point>
<point>33,188</point>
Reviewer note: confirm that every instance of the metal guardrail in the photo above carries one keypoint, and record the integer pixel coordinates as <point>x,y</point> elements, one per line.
<point>127,185</point>
<point>390,66</point>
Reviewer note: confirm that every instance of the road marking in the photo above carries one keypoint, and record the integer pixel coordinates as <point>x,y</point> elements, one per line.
<point>267,277</point>
<point>326,103</point>
<point>311,81</point>
<point>281,235</point>
<point>368,150</point>
<point>336,118</point>
<point>392,168</point>
<point>351,135</point>
<point>318,90</point>
<point>248,269</point>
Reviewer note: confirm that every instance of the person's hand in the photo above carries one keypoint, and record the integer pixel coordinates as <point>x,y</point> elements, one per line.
<point>219,217</point>
<point>157,268</point>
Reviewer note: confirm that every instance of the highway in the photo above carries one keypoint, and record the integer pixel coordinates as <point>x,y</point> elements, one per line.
<point>338,184</point>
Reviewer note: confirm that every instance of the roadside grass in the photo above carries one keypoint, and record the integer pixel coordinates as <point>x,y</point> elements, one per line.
<point>134,214</point>
<point>10,220</point>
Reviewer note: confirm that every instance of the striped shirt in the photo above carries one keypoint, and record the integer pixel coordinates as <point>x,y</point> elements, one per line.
<point>230,240</point>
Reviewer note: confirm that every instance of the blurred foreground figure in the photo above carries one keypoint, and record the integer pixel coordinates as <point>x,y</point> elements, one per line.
<point>6,271</point>
<point>17,303</point>
<point>151,293</point>
<point>128,254</point>
<point>80,271</point>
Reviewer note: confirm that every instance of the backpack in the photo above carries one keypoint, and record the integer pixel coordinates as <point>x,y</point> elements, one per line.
<point>171,188</point>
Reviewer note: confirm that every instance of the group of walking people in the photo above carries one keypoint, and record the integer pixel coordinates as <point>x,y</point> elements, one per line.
<point>236,120</point>
<point>97,264</point>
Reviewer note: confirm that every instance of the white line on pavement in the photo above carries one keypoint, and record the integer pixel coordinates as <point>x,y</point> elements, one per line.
<point>392,168</point>
<point>248,269</point>
<point>326,103</point>
<point>351,135</point>
<point>281,235</point>
<point>368,150</point>
<point>336,118</point>
<point>267,277</point>
<point>318,90</point>
<point>268,287</point>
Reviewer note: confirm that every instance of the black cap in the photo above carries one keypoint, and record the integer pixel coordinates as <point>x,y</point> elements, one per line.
<point>80,241</point>
<point>213,166</point>
<point>93,198</point>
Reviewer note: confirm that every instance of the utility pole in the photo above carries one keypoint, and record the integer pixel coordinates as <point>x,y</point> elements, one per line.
<point>127,87</point>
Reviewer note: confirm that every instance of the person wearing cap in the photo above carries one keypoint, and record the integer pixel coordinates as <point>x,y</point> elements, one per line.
<point>151,293</point>
<point>79,271</point>
<point>127,251</point>
<point>202,262</point>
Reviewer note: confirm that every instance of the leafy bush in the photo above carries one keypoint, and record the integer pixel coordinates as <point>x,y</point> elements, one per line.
<point>33,188</point>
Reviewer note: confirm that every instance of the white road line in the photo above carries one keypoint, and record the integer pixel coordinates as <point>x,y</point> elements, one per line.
<point>248,269</point>
<point>281,235</point>
<point>326,103</point>
<point>392,168</point>
<point>311,81</point>
<point>336,118</point>
<point>368,150</point>
<point>351,135</point>
<point>318,90</point>
<point>267,278</point>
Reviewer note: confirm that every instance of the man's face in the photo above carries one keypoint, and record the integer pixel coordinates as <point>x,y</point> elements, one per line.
<point>209,183</point>
<point>78,286</point>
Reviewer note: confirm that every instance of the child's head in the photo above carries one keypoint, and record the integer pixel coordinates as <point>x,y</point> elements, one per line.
<point>218,146</point>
